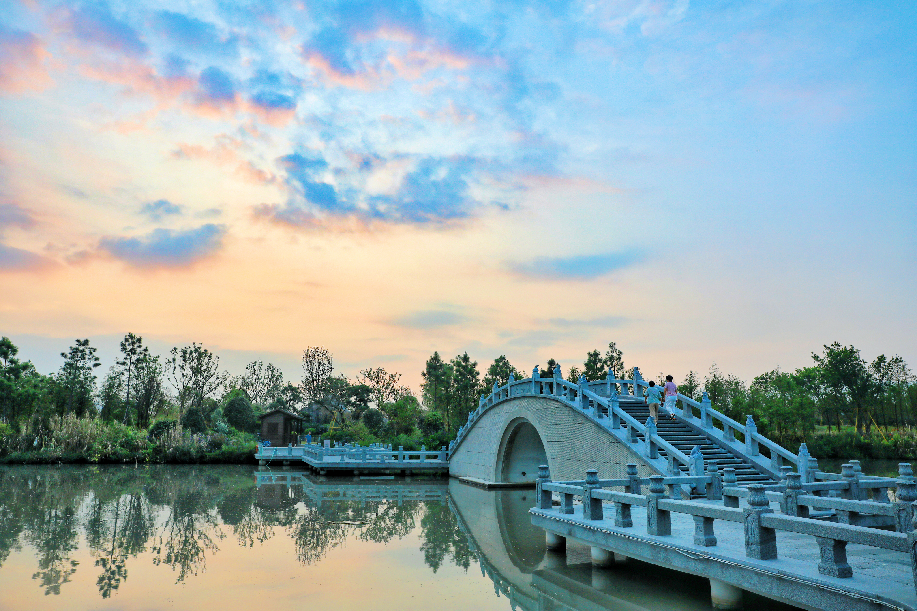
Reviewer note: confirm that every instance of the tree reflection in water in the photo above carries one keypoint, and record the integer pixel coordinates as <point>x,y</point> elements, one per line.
<point>178,517</point>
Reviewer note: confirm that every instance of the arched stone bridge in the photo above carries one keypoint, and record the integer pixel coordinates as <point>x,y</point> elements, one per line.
<point>604,425</point>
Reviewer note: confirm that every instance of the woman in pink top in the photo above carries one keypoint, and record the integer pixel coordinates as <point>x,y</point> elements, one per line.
<point>671,396</point>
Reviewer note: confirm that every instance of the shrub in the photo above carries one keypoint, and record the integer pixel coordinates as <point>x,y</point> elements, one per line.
<point>193,421</point>
<point>160,428</point>
<point>239,414</point>
<point>373,419</point>
<point>431,423</point>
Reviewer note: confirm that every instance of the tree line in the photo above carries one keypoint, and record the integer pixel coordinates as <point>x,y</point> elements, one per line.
<point>839,390</point>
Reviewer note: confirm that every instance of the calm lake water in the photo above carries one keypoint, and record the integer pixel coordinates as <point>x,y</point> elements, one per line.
<point>231,537</point>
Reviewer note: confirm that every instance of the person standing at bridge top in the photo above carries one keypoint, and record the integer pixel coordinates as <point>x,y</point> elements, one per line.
<point>671,396</point>
<point>653,397</point>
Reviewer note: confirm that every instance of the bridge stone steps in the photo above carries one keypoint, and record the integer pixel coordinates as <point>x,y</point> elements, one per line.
<point>685,439</point>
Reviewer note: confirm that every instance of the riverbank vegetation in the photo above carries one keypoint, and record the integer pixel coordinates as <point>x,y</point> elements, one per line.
<point>183,408</point>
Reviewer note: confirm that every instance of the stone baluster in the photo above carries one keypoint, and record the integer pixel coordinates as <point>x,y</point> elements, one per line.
<point>905,496</point>
<point>729,481</point>
<point>833,557</point>
<point>705,407</point>
<point>509,385</point>
<point>633,480</point>
<point>789,505</point>
<point>592,507</point>
<point>852,492</point>
<point>715,490</point>
<point>557,379</point>
<point>423,456</point>
<point>784,471</point>
<point>638,381</point>
<point>443,456</point>
<point>649,445</point>
<point>760,541</point>
<point>905,471</point>
<point>542,496</point>
<point>751,429</point>
<point>400,453</point>
<point>696,466</point>
<point>631,433</point>
<point>536,376</point>
<point>581,392</point>
<point>728,432</point>
<point>566,503</point>
<point>658,521</point>
<point>703,531</point>
<point>613,406</point>
<point>609,376</point>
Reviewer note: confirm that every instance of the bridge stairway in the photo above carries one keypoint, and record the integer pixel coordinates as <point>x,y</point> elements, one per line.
<point>685,438</point>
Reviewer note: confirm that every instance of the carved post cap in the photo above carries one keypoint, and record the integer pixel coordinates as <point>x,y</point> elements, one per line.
<point>856,466</point>
<point>784,472</point>
<point>543,472</point>
<point>582,379</point>
<point>631,469</point>
<point>656,486</point>
<point>729,475</point>
<point>907,491</point>
<point>592,477</point>
<point>756,496</point>
<point>401,448</point>
<point>705,398</point>
<point>794,481</point>
<point>847,471</point>
<point>905,469</point>
<point>750,421</point>
<point>695,451</point>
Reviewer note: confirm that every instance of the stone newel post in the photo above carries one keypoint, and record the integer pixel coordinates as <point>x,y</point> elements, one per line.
<point>592,507</point>
<point>760,542</point>
<point>542,497</point>
<point>658,521</point>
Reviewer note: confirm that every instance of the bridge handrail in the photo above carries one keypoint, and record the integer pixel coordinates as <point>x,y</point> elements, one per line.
<point>670,450</point>
<point>759,520</point>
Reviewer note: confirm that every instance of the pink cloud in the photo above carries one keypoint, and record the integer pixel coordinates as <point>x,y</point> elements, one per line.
<point>226,154</point>
<point>22,62</point>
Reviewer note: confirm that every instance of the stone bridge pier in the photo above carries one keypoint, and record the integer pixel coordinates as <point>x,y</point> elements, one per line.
<point>511,439</point>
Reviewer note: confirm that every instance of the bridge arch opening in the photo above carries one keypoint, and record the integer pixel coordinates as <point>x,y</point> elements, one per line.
<point>521,452</point>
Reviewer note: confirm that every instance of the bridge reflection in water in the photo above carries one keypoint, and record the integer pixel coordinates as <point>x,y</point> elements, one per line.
<point>511,552</point>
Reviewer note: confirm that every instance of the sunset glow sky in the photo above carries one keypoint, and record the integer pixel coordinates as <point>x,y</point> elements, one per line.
<point>718,182</point>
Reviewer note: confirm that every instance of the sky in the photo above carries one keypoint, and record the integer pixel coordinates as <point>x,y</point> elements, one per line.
<point>729,183</point>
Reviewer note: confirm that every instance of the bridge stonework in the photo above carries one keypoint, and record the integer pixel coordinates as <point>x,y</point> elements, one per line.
<point>503,446</point>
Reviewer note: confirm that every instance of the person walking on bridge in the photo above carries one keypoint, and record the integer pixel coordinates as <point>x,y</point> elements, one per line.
<point>671,396</point>
<point>653,397</point>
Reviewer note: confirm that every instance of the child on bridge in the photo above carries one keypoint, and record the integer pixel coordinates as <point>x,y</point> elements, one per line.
<point>652,397</point>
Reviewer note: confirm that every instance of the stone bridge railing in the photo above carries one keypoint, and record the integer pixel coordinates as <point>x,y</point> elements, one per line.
<point>760,521</point>
<point>376,453</point>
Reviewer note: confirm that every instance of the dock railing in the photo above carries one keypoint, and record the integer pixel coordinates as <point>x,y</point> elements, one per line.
<point>761,522</point>
<point>347,453</point>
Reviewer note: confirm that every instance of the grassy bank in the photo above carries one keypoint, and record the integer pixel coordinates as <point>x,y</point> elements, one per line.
<point>92,441</point>
<point>849,445</point>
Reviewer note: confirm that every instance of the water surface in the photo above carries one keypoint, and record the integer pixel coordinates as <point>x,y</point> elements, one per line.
<point>231,537</point>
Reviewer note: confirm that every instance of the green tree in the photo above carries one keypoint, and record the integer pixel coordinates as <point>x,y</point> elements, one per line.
<point>383,386</point>
<point>132,349</point>
<point>195,373</point>
<point>262,382</point>
<point>498,373</point>
<point>238,412</point>
<point>614,361</point>
<point>594,366</point>
<point>77,379</point>
<point>691,386</point>
<point>22,388</point>
<point>149,391</point>
<point>845,374</point>
<point>317,365</point>
<point>464,389</point>
<point>436,388</point>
